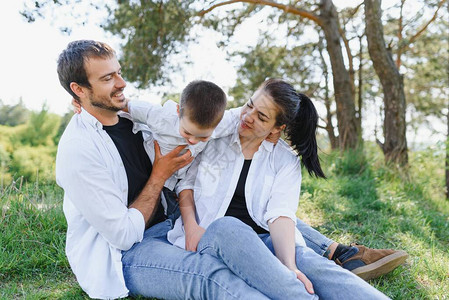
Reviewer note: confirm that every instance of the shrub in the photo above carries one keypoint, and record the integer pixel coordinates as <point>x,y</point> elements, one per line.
<point>34,163</point>
<point>40,129</point>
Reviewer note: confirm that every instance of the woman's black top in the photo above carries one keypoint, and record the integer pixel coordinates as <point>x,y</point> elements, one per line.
<point>135,160</point>
<point>237,208</point>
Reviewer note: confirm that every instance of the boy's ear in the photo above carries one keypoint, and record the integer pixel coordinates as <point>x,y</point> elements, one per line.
<point>78,90</point>
<point>177,109</point>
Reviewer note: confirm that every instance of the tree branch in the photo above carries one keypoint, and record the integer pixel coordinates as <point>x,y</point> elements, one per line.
<point>413,38</point>
<point>285,8</point>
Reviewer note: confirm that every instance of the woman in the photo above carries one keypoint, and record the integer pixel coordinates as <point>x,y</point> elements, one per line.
<point>250,179</point>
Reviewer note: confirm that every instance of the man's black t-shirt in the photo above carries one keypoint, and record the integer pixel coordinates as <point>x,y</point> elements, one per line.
<point>135,159</point>
<point>237,208</point>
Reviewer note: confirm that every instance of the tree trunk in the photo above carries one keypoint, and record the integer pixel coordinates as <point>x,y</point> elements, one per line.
<point>358,114</point>
<point>347,123</point>
<point>395,144</point>
<point>327,101</point>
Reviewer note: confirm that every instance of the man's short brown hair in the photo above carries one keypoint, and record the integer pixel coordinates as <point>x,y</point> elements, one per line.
<point>71,62</point>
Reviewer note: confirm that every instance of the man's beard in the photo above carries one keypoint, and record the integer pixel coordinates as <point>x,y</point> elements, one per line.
<point>105,103</point>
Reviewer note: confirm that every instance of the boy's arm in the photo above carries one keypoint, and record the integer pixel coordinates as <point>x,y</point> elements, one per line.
<point>193,231</point>
<point>150,114</point>
<point>228,123</point>
<point>184,189</point>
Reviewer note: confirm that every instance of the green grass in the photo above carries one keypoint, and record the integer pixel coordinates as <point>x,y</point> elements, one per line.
<point>366,202</point>
<point>362,201</point>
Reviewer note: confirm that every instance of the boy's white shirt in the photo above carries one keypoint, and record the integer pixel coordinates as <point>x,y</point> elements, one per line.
<point>163,122</point>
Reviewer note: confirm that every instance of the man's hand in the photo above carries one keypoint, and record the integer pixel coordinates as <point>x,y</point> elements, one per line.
<point>165,165</point>
<point>193,237</point>
<point>307,283</point>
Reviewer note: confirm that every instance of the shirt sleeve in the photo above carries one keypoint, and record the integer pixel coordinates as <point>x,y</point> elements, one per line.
<point>152,115</point>
<point>88,184</point>
<point>188,182</point>
<point>227,125</point>
<point>284,196</point>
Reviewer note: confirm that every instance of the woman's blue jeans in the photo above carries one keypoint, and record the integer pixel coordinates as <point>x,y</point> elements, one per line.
<point>233,262</point>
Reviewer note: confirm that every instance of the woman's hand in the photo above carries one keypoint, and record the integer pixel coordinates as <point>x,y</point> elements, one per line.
<point>307,283</point>
<point>193,237</point>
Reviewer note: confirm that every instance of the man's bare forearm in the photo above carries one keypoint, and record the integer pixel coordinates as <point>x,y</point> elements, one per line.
<point>163,167</point>
<point>148,199</point>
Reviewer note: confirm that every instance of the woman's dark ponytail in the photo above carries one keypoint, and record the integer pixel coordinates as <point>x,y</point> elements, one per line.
<point>302,135</point>
<point>299,115</point>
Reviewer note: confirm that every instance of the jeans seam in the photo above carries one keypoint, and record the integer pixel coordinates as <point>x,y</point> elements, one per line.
<point>321,246</point>
<point>186,273</point>
<point>220,255</point>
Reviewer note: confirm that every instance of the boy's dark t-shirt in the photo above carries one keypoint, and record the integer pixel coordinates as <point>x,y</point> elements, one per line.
<point>135,160</point>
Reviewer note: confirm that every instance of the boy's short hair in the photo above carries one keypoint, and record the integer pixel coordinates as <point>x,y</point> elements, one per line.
<point>71,62</point>
<point>203,102</point>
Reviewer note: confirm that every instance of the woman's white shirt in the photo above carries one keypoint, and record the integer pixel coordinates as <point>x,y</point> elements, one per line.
<point>272,187</point>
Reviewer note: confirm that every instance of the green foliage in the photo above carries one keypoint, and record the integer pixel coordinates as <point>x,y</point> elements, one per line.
<point>62,125</point>
<point>29,150</point>
<point>34,163</point>
<point>5,176</point>
<point>152,31</point>
<point>427,81</point>
<point>40,129</point>
<point>171,96</point>
<point>7,134</point>
<point>295,63</point>
<point>13,115</point>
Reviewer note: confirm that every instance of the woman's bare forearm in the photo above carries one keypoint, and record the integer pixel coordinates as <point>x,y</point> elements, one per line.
<point>282,232</point>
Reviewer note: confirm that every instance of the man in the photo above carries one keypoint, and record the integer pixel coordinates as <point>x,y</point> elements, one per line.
<point>113,193</point>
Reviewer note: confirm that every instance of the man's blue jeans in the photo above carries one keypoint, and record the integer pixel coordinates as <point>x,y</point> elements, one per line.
<point>232,262</point>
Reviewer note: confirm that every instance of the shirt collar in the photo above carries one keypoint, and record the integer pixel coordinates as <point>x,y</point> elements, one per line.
<point>90,120</point>
<point>269,146</point>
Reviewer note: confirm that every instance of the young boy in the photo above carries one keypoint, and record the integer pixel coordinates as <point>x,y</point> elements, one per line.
<point>199,116</point>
